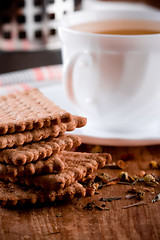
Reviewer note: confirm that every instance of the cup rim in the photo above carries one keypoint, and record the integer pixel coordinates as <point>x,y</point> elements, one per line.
<point>149,15</point>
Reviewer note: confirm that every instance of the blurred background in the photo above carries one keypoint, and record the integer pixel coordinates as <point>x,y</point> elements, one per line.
<point>28,37</point>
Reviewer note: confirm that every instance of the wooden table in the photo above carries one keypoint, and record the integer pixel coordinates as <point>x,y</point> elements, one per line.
<point>72,221</point>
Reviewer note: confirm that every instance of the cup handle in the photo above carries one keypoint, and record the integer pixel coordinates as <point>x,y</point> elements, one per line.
<point>68,72</point>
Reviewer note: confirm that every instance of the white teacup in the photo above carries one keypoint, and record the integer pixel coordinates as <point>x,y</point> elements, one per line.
<point>113,79</point>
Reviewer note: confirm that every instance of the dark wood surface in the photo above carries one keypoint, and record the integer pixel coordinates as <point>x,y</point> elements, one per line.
<point>15,61</point>
<point>70,221</point>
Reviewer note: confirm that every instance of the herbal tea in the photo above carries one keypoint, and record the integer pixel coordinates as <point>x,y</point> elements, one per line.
<point>129,32</point>
<point>121,27</point>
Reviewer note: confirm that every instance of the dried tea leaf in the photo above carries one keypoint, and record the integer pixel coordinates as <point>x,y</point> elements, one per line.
<point>156,199</point>
<point>130,196</point>
<point>153,164</point>
<point>123,176</point>
<point>112,182</point>
<point>59,215</point>
<point>112,166</point>
<point>89,206</point>
<point>121,164</point>
<point>103,177</point>
<point>97,149</point>
<point>138,193</point>
<point>101,208</point>
<point>124,183</point>
<point>134,205</point>
<point>109,199</point>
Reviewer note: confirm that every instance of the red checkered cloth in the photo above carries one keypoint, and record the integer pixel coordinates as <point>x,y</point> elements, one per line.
<point>27,79</point>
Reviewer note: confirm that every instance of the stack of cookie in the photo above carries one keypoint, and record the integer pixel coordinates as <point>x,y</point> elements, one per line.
<point>36,164</point>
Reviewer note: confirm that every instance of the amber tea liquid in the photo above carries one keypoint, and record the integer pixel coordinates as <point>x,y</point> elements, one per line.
<point>120,27</point>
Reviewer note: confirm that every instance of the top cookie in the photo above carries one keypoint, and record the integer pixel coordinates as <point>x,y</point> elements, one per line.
<point>29,110</point>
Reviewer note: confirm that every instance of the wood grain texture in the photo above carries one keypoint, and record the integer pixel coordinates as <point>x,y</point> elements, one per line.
<point>71,221</point>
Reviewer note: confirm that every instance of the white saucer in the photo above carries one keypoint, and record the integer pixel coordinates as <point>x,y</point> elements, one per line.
<point>89,135</point>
